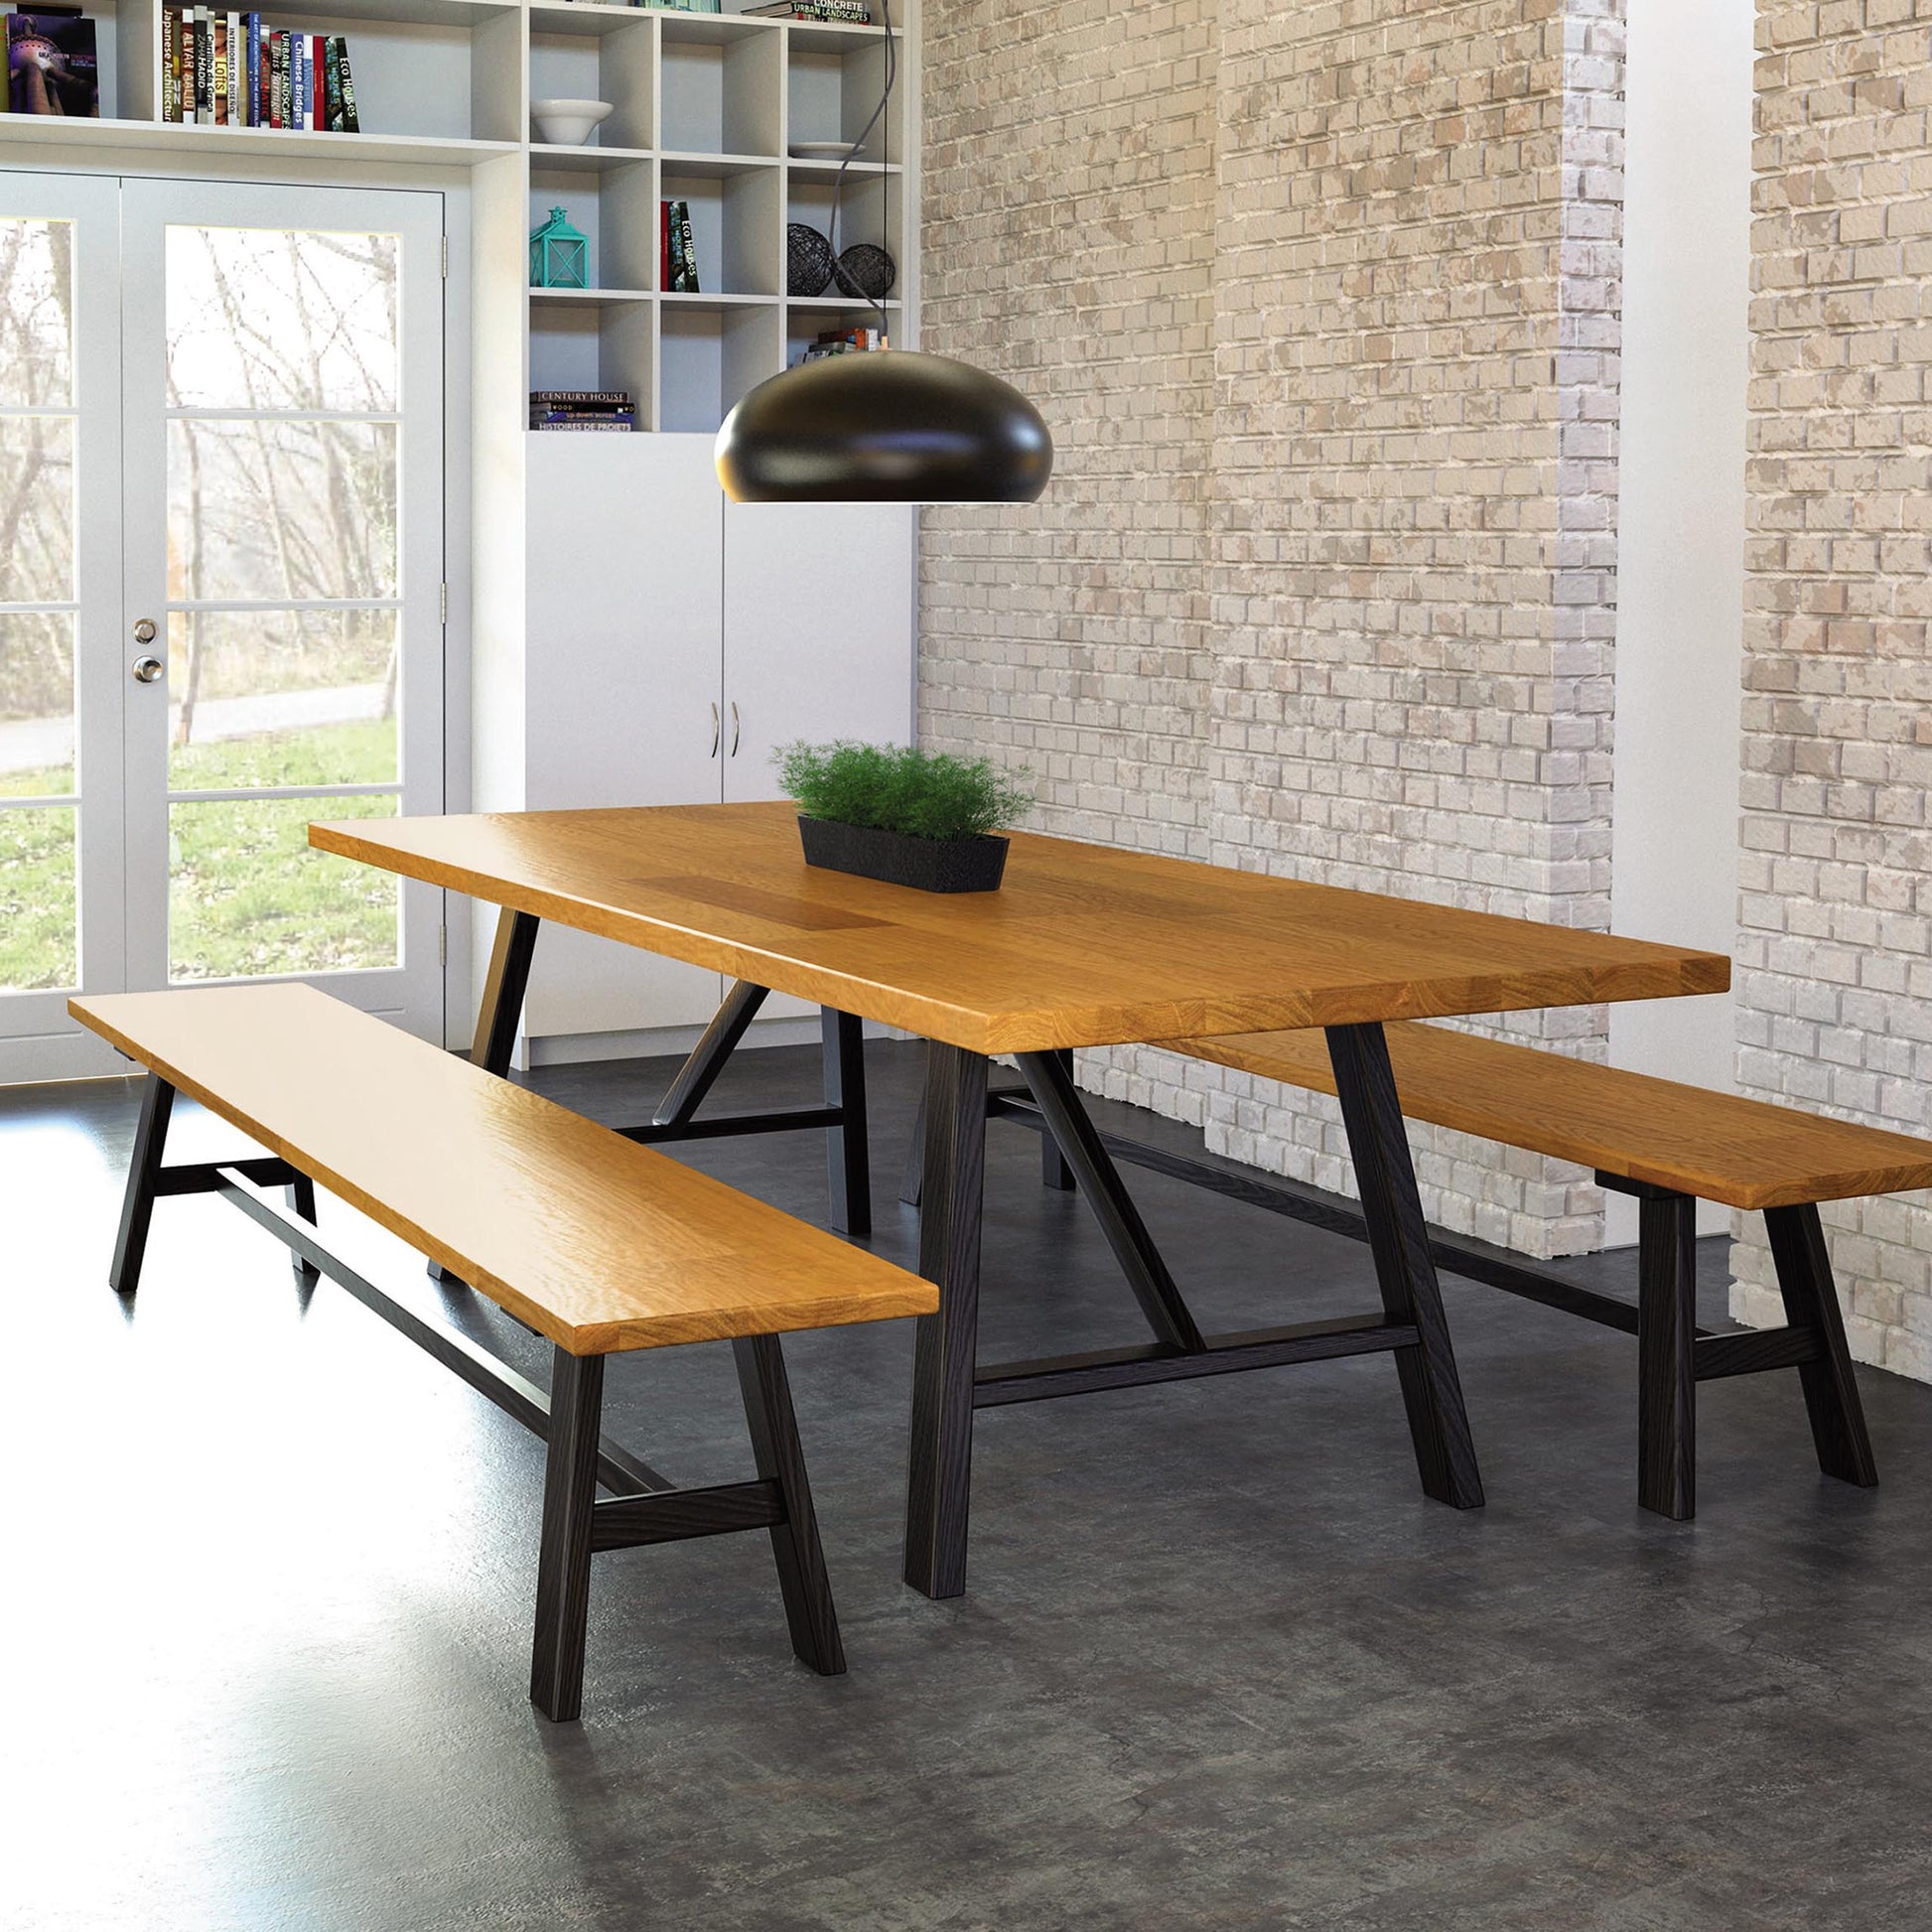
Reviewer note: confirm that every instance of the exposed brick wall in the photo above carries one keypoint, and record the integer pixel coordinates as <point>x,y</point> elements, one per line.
<point>1835,981</point>
<point>1321,303</point>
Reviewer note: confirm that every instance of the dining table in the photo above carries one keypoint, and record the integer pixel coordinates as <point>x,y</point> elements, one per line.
<point>1084,946</point>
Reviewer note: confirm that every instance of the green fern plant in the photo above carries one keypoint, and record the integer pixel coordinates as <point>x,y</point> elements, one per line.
<point>899,788</point>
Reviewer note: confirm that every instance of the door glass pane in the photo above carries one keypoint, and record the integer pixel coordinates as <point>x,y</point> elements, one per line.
<point>248,894</point>
<point>36,898</point>
<point>276,508</point>
<point>282,319</point>
<point>270,697</point>
<point>36,509</point>
<point>37,316</point>
<point>36,703</point>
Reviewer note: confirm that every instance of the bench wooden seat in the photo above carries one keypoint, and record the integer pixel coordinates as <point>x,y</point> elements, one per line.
<point>596,1243</point>
<point>1670,1146</point>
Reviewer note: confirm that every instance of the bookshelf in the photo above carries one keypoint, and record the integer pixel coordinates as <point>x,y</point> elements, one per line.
<point>706,107</point>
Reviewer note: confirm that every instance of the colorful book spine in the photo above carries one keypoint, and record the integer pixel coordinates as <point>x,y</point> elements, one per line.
<point>352,121</point>
<point>252,77</point>
<point>169,111</point>
<point>318,91</point>
<point>219,104</point>
<point>690,248</point>
<point>204,69</point>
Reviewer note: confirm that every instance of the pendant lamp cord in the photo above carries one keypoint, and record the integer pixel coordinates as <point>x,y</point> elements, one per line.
<point>886,153</point>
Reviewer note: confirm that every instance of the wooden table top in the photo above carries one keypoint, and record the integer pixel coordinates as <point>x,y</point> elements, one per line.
<point>1084,945</point>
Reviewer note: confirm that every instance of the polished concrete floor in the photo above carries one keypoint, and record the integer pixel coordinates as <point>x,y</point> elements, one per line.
<point>269,1573</point>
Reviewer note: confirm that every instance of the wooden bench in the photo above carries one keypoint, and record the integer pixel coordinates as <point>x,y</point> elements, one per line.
<point>597,1244</point>
<point>1670,1146</point>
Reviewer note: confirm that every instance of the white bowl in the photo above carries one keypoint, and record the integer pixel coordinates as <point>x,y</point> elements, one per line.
<point>568,123</point>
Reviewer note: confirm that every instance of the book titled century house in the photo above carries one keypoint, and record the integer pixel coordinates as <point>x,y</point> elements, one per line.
<point>229,70</point>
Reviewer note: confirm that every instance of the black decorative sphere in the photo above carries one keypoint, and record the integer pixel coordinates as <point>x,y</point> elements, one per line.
<point>866,272</point>
<point>808,260</point>
<point>889,427</point>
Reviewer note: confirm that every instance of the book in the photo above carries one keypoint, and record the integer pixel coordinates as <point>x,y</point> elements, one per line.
<point>237,70</point>
<point>352,121</point>
<point>170,65</point>
<point>586,398</point>
<point>331,86</point>
<point>203,67</point>
<point>218,63</point>
<point>849,13</point>
<point>53,66</point>
<point>680,265</point>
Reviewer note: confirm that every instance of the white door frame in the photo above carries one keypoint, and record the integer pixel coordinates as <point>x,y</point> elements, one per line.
<point>38,1042</point>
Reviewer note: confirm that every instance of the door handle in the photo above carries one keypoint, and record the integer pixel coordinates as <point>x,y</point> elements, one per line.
<point>147,669</point>
<point>713,731</point>
<point>734,728</point>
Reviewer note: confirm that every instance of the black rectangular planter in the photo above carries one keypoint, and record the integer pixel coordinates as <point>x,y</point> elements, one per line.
<point>899,859</point>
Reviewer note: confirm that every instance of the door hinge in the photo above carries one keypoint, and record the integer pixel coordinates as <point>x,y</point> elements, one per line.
<point>442,946</point>
<point>442,603</point>
<point>445,259</point>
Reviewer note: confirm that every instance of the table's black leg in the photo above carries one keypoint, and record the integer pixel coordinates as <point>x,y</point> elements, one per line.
<point>1050,1078</point>
<point>848,1158</point>
<point>914,1177</point>
<point>500,1010</point>
<point>939,1479</point>
<point>1399,1240</point>
<point>564,1560</point>
<point>695,1077</point>
<point>137,1204</point>
<point>1804,1266</point>
<point>795,1547</point>
<point>1666,1354</point>
<point>1054,1170</point>
<point>300,1197</point>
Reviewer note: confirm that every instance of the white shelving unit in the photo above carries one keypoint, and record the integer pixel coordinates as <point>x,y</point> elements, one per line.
<point>706,107</point>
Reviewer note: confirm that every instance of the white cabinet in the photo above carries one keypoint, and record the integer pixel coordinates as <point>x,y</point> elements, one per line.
<point>671,643</point>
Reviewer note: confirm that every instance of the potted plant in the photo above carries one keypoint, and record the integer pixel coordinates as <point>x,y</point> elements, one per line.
<point>915,818</point>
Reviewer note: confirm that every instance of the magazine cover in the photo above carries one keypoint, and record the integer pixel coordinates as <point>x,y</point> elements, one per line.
<point>52,67</point>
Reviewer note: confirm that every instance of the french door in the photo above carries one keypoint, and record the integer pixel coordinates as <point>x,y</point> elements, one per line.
<point>221,591</point>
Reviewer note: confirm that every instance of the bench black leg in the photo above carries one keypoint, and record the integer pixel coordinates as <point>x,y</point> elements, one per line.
<point>794,1542</point>
<point>847,1157</point>
<point>137,1204</point>
<point>564,1561</point>
<point>939,1482</point>
<point>1054,1170</point>
<point>1665,1355</point>
<point>1398,1238</point>
<point>301,1197</point>
<point>1804,1266</point>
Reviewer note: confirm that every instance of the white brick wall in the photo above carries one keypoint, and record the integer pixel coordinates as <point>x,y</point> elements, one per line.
<point>1834,983</point>
<point>1320,300</point>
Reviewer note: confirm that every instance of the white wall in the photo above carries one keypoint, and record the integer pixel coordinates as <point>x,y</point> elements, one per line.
<point>1680,547</point>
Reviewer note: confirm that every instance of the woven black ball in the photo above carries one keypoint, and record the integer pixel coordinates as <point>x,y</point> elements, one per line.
<point>808,260</point>
<point>866,272</point>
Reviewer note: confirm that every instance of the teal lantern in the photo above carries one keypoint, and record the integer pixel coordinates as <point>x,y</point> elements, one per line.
<point>560,258</point>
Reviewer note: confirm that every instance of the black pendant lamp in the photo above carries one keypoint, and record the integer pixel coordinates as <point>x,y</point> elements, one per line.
<point>888,426</point>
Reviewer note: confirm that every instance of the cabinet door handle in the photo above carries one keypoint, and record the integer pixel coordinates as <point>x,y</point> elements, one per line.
<point>713,731</point>
<point>734,728</point>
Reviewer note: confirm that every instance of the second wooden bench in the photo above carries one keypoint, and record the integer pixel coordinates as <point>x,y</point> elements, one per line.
<point>1670,1146</point>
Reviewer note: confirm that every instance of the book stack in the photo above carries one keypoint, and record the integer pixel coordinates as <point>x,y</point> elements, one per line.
<point>846,342</point>
<point>582,409</point>
<point>848,13</point>
<point>227,70</point>
<point>677,265</point>
<point>52,63</point>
